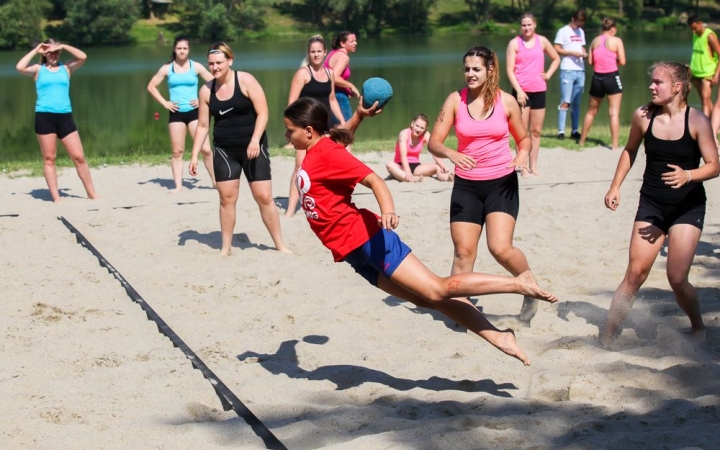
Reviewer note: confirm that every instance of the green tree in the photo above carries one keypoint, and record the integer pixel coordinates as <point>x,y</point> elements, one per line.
<point>93,22</point>
<point>222,19</point>
<point>411,16</point>
<point>22,22</point>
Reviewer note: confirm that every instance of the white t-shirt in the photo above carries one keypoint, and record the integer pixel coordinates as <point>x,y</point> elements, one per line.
<point>572,41</point>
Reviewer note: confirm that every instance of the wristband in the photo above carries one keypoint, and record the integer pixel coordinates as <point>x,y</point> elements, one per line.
<point>689,176</point>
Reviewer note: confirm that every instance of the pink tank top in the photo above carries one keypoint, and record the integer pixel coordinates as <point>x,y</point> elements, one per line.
<point>486,141</point>
<point>604,60</point>
<point>345,75</point>
<point>529,64</point>
<point>413,152</point>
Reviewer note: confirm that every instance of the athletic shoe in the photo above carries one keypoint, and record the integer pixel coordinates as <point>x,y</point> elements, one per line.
<point>575,135</point>
<point>561,135</point>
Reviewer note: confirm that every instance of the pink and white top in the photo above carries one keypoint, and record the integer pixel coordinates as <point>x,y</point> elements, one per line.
<point>529,64</point>
<point>486,141</point>
<point>604,60</point>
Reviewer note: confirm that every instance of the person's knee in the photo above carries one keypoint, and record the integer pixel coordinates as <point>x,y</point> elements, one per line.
<point>263,197</point>
<point>564,106</point>
<point>177,152</point>
<point>464,253</point>
<point>501,252</point>
<point>636,276</point>
<point>677,280</point>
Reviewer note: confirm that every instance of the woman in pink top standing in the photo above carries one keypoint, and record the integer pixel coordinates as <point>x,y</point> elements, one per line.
<point>485,191</point>
<point>406,166</point>
<point>526,72</point>
<point>338,60</point>
<point>606,53</point>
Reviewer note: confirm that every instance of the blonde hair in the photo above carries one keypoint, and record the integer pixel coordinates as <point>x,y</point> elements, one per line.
<point>221,47</point>
<point>678,73</point>
<point>311,41</point>
<point>489,89</point>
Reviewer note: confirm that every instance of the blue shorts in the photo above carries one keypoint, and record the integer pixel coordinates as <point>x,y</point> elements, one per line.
<point>345,108</point>
<point>382,253</point>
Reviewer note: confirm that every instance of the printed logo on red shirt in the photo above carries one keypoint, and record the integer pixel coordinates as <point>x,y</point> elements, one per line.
<point>302,181</point>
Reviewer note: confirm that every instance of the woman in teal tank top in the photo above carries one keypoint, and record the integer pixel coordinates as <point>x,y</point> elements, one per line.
<point>182,78</point>
<point>53,110</point>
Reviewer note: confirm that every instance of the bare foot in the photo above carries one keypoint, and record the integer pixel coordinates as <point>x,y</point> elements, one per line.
<point>283,249</point>
<point>535,172</point>
<point>525,173</point>
<point>225,252</point>
<point>418,179</point>
<point>506,343</point>
<point>697,336</point>
<point>93,196</point>
<point>530,288</point>
<point>174,191</point>
<point>289,213</point>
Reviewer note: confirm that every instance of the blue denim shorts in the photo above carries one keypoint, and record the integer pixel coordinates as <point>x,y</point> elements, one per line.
<point>382,253</point>
<point>345,108</point>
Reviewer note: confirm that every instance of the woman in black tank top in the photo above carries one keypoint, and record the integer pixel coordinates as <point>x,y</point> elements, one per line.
<point>238,105</point>
<point>672,198</point>
<point>311,80</point>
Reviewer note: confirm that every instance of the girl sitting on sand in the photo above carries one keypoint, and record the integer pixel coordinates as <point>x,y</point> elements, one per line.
<point>326,181</point>
<point>406,165</point>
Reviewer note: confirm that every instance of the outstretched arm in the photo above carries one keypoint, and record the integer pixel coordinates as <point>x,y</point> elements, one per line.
<point>388,218</point>
<point>627,157</point>
<point>360,113</point>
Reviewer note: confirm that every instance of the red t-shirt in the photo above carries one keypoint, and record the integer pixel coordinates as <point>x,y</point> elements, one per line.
<point>326,181</point>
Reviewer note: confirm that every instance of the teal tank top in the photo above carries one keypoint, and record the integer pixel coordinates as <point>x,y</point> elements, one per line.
<point>53,90</point>
<point>183,87</point>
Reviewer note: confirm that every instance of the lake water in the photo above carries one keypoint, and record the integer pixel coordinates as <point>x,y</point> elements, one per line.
<point>115,114</point>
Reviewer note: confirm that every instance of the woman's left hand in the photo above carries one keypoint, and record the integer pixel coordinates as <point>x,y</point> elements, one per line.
<point>253,150</point>
<point>389,221</point>
<point>677,177</point>
<point>194,103</point>
<point>520,161</point>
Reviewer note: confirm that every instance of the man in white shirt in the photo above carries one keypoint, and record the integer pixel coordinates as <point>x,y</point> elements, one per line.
<point>570,45</point>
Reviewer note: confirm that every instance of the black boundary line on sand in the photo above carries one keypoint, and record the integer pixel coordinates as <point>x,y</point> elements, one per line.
<point>9,215</point>
<point>227,398</point>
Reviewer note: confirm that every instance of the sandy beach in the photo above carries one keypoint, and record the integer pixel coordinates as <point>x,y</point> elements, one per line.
<point>323,359</point>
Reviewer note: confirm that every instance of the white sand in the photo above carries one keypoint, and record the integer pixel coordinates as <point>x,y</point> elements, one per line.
<point>323,358</point>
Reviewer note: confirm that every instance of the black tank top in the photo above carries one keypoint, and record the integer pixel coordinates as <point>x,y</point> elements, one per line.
<point>234,118</point>
<point>684,153</point>
<point>318,90</point>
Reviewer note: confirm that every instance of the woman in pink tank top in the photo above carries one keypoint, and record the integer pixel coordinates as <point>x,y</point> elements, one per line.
<point>606,53</point>
<point>525,60</point>
<point>485,190</point>
<point>406,166</point>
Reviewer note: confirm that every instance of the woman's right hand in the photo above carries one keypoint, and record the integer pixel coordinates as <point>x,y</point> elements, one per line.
<point>522,98</point>
<point>408,175</point>
<point>462,160</point>
<point>192,167</point>
<point>612,199</point>
<point>170,106</point>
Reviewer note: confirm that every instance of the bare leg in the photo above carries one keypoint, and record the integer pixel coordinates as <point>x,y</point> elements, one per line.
<point>645,244</point>
<point>177,141</point>
<point>682,243</point>
<point>395,170</point>
<point>614,113</point>
<point>537,118</point>
<point>262,193</point>
<point>294,195</point>
<point>229,192</point>
<point>205,151</point>
<point>74,147</point>
<point>414,282</point>
<point>500,230</point>
<point>592,111</point>
<point>429,170</point>
<point>48,148</point>
<point>704,89</point>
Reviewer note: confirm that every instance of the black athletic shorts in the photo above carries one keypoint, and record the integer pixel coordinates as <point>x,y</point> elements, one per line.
<point>472,200</point>
<point>230,162</point>
<point>663,216</point>
<point>605,84</point>
<point>184,117</point>
<point>61,124</point>
<point>536,100</point>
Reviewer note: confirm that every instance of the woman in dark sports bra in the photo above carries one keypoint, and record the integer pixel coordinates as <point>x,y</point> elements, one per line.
<point>314,80</point>
<point>672,197</point>
<point>240,112</point>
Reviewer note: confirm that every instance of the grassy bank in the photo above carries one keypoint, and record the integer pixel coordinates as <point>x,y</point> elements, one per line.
<point>600,136</point>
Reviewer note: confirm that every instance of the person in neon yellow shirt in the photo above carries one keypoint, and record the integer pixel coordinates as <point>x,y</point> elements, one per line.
<point>704,62</point>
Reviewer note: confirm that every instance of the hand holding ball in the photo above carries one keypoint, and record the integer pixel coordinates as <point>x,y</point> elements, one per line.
<point>376,90</point>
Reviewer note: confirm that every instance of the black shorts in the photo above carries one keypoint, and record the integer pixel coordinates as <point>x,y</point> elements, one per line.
<point>664,216</point>
<point>229,163</point>
<point>472,200</point>
<point>184,117</point>
<point>605,84</point>
<point>61,124</point>
<point>536,100</point>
